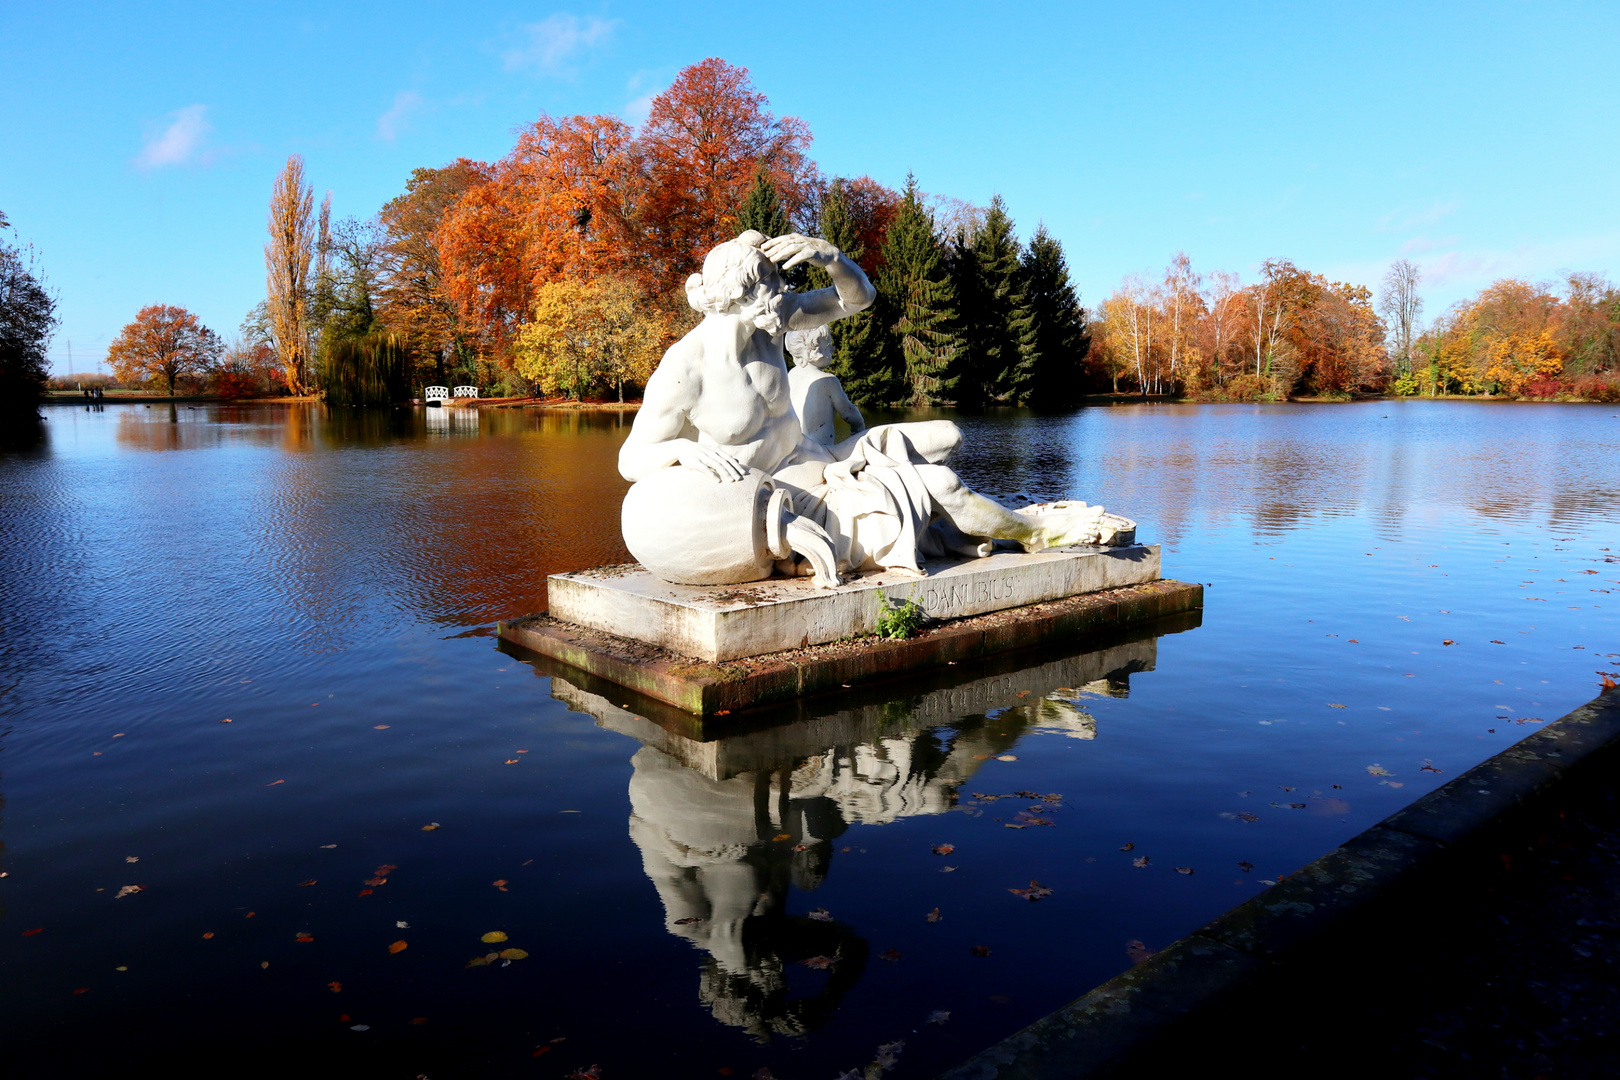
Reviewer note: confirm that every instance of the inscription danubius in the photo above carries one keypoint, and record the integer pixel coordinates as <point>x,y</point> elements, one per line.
<point>946,601</point>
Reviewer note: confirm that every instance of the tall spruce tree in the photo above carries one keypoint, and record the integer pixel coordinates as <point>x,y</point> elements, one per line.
<point>762,209</point>
<point>915,286</point>
<point>990,297</point>
<point>1055,340</point>
<point>859,358</point>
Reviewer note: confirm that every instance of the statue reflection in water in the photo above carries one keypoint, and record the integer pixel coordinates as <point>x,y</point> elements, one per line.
<point>727,827</point>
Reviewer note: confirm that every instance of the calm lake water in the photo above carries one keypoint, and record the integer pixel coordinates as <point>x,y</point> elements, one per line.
<point>1397,590</point>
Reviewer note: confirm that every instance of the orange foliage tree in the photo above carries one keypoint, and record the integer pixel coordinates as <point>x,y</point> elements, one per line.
<point>163,343</point>
<point>583,196</point>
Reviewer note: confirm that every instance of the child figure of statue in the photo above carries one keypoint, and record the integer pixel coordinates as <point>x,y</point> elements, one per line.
<point>816,393</point>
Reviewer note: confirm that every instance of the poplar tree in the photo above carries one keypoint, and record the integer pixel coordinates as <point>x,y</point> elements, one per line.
<point>915,286</point>
<point>286,258</point>
<point>1055,340</point>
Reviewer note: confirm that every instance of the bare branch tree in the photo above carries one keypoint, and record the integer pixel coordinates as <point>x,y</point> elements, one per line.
<point>1401,307</point>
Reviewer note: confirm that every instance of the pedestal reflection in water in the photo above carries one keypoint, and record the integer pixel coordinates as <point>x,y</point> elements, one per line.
<point>729,825</point>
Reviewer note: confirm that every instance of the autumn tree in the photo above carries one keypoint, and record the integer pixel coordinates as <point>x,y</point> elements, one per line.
<point>702,141</point>
<point>27,321</point>
<point>415,304</point>
<point>588,334</point>
<point>287,257</point>
<point>163,343</point>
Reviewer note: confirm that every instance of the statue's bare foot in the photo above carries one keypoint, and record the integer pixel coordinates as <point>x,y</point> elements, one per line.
<point>1060,524</point>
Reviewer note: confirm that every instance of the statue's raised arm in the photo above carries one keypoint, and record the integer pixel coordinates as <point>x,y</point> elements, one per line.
<point>851,291</point>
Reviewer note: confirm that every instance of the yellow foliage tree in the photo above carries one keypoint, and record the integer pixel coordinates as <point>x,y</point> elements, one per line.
<point>586,334</point>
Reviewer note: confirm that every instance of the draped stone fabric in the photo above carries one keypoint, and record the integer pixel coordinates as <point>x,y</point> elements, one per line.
<point>875,506</point>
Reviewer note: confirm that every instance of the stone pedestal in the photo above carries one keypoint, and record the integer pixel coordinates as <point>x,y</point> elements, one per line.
<point>719,623</point>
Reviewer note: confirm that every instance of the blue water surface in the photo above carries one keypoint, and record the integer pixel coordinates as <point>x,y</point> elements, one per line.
<point>247,666</point>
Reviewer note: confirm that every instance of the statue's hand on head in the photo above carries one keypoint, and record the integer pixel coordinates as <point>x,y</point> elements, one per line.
<point>712,460</point>
<point>795,249</point>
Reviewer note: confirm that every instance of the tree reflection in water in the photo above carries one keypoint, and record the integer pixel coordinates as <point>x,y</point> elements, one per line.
<point>729,826</point>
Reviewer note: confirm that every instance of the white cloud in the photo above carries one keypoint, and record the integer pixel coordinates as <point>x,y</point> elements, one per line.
<point>642,88</point>
<point>547,47</point>
<point>392,122</point>
<point>180,143</point>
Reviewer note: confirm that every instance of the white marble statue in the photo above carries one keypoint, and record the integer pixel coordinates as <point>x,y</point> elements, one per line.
<point>816,393</point>
<point>727,485</point>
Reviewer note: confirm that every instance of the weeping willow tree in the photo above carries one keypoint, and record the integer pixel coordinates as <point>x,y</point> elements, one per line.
<point>373,369</point>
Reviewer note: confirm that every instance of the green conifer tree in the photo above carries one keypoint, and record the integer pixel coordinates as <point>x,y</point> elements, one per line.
<point>762,209</point>
<point>996,322</point>
<point>971,302</point>
<point>859,358</point>
<point>1055,340</point>
<point>915,287</point>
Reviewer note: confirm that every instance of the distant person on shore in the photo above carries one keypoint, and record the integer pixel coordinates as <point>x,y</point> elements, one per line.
<point>816,393</point>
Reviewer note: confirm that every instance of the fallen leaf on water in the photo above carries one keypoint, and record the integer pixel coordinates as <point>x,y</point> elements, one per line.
<point>934,916</point>
<point>129,890</point>
<point>273,783</point>
<point>398,946</point>
<point>365,892</point>
<point>328,847</point>
<point>1138,952</point>
<point>819,963</point>
<point>1429,768</point>
<point>592,1073</point>
<point>226,720</point>
<point>947,869</point>
<point>379,727</point>
<point>1022,693</point>
<point>264,963</point>
<point>208,935</point>
<point>944,849</point>
<point>1140,860</point>
<point>335,987</point>
<point>1006,757</point>
<point>402,924</point>
<point>1245,866</point>
<point>82,990</point>
<point>376,881</point>
<point>1352,641</point>
<point>493,937</point>
<point>478,961</point>
<point>35,930</point>
<point>430,826</point>
<point>1333,705</point>
<point>540,1050</point>
<point>889,954</point>
<point>306,884</point>
<point>801,847</point>
<point>763,1074</point>
<point>820,914</point>
<point>1448,641</point>
<point>888,1055</point>
<point>514,954</point>
<point>344,1018</point>
<point>779,837</point>
<point>722,712</point>
<point>1184,870</point>
<point>359,1027</point>
<point>1495,642</point>
<point>498,882</point>
<point>1246,816</point>
<point>385,869</point>
<point>303,937</point>
<point>511,761</point>
<point>1010,825</point>
<point>938,1016</point>
<point>1378,770</point>
<point>132,858</point>
<point>979,950</point>
<point>1128,847</point>
<point>1036,891</point>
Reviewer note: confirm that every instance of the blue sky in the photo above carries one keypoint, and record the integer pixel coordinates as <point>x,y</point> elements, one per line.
<point>140,141</point>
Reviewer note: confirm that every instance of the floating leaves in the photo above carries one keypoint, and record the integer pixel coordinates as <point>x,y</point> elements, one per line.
<point>306,884</point>
<point>398,947</point>
<point>944,849</point>
<point>1246,816</point>
<point>129,890</point>
<point>31,933</point>
<point>933,916</point>
<point>493,937</point>
<point>1036,891</point>
<point>1448,641</point>
<point>132,858</point>
<point>779,837</point>
<point>1245,866</point>
<point>500,883</point>
<point>1006,757</point>
<point>1138,952</point>
<point>208,935</point>
<point>1184,870</point>
<point>513,954</point>
<point>335,987</point>
<point>820,914</point>
<point>819,963</point>
<point>1127,847</point>
<point>1335,705</point>
<point>938,1016</point>
<point>1378,770</point>
<point>1140,861</point>
<point>891,955</point>
<point>430,826</point>
<point>304,936</point>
